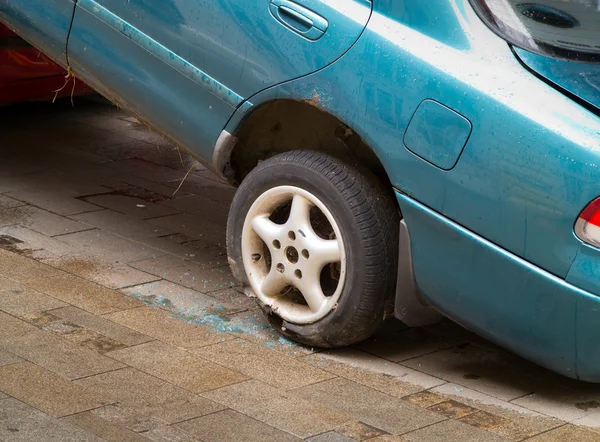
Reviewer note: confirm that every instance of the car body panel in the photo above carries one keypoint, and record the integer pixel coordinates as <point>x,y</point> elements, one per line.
<point>532,312</point>
<point>43,23</point>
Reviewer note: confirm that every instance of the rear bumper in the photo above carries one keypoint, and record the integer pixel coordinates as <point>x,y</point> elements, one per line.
<point>503,297</point>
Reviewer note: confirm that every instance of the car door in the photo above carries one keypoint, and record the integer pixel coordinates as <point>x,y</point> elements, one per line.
<point>186,65</point>
<point>44,23</point>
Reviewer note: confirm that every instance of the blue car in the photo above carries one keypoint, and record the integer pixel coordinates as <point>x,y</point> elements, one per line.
<point>393,157</point>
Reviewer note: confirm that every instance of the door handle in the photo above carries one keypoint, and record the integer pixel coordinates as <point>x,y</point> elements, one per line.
<point>299,19</point>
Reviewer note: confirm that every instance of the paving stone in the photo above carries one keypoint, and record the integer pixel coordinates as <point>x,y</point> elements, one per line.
<point>32,240</point>
<point>132,387</point>
<point>389,438</point>
<point>109,248</point>
<point>210,207</point>
<point>396,343</point>
<point>477,368</point>
<point>591,420</point>
<point>569,433</point>
<point>86,338</point>
<point>264,364</point>
<point>119,277</point>
<point>168,433</point>
<point>178,299</point>
<point>233,296</point>
<point>359,431</point>
<point>560,404</point>
<point>147,170</point>
<point>19,300</point>
<point>22,269</point>
<point>369,406</point>
<point>330,436</point>
<point>302,418</point>
<point>177,367</point>
<point>188,274</point>
<point>144,418</point>
<point>194,251</point>
<point>134,207</point>
<point>165,327</point>
<point>7,203</point>
<point>11,327</point>
<point>60,202</point>
<point>498,416</point>
<point>46,391</point>
<point>102,428</point>
<point>124,225</point>
<point>193,226</point>
<point>84,294</point>
<point>145,397</point>
<point>21,422</point>
<point>254,326</point>
<point>59,356</point>
<point>452,431</point>
<point>231,426</point>
<point>39,220</point>
<point>7,358</point>
<point>102,326</point>
<point>387,377</point>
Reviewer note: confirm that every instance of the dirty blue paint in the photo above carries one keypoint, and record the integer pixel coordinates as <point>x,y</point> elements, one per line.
<point>162,53</point>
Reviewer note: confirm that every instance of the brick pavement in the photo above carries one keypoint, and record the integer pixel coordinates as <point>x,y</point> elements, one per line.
<point>120,320</point>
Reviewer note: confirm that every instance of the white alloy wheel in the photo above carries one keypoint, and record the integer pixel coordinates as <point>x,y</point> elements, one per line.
<point>294,268</point>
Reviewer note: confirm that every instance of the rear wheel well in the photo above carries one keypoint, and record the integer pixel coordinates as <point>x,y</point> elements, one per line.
<point>286,125</point>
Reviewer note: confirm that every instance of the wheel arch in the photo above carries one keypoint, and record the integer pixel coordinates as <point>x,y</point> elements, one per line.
<point>283,125</point>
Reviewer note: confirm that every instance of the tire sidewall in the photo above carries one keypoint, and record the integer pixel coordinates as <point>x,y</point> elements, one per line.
<point>268,176</point>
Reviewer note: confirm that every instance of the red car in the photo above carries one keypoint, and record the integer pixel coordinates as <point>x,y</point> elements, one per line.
<point>28,75</point>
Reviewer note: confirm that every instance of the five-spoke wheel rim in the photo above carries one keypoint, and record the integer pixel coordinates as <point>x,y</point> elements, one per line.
<point>289,264</point>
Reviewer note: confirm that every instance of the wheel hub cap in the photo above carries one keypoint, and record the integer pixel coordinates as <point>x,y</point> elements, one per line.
<point>288,265</point>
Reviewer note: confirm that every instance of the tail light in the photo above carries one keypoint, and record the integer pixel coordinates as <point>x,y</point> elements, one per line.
<point>587,226</point>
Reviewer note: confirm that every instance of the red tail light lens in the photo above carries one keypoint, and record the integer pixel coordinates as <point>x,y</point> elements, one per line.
<point>587,226</point>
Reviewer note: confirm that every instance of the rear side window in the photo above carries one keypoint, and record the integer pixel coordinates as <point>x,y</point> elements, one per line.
<point>558,28</point>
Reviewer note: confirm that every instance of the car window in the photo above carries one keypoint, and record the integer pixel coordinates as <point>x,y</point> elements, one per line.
<point>559,28</point>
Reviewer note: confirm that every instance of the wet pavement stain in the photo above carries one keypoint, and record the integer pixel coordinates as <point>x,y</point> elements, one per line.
<point>484,420</point>
<point>589,405</point>
<point>452,409</point>
<point>14,245</point>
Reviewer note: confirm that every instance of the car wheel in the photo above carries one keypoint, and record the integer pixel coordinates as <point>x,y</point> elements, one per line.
<point>316,241</point>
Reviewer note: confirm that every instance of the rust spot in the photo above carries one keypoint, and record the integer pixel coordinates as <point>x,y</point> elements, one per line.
<point>587,405</point>
<point>452,409</point>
